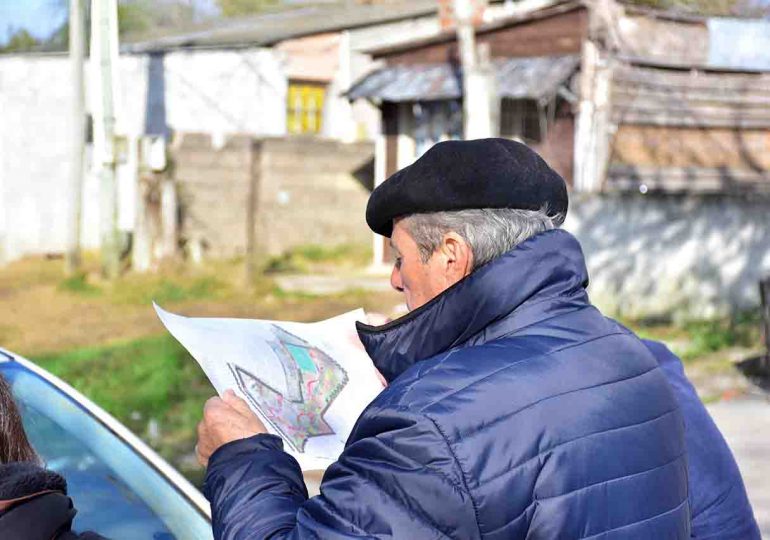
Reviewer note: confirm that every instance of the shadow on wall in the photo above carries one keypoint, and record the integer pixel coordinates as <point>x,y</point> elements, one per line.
<point>364,174</point>
<point>664,255</point>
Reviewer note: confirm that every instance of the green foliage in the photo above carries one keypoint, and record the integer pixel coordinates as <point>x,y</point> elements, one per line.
<point>78,284</point>
<point>144,289</point>
<point>134,17</point>
<point>20,40</point>
<point>303,259</point>
<point>149,378</point>
<point>281,294</point>
<point>697,339</point>
<point>710,336</point>
<point>237,8</point>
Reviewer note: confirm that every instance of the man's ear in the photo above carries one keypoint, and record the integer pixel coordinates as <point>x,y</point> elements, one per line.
<point>457,255</point>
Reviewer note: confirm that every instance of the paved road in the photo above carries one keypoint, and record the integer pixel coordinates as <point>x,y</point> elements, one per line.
<point>745,423</point>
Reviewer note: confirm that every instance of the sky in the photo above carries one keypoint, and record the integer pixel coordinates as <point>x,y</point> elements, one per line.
<point>40,17</point>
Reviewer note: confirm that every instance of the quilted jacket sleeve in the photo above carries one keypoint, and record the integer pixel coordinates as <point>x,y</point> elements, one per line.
<point>397,478</point>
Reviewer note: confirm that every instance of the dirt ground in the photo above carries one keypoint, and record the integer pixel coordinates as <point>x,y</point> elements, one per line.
<point>40,314</point>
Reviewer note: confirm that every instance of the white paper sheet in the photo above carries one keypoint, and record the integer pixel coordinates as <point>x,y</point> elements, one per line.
<point>308,382</point>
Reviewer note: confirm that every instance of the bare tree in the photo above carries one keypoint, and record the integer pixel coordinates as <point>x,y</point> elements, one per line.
<point>478,82</point>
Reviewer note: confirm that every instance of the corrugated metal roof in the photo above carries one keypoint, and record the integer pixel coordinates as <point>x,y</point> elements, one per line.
<point>517,78</point>
<point>739,43</point>
<point>270,28</point>
<point>519,11</point>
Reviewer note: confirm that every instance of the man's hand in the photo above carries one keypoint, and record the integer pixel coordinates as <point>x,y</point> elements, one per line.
<point>225,420</point>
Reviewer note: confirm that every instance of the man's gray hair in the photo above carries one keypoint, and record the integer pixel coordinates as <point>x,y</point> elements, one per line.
<point>490,232</point>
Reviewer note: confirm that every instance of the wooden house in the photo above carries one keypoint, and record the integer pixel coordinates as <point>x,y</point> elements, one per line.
<point>615,98</point>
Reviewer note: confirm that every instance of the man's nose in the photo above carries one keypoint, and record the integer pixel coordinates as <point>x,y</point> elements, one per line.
<point>395,280</point>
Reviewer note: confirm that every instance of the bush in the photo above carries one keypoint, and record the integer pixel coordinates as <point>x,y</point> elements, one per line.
<point>78,284</point>
<point>303,259</point>
<point>714,335</point>
<point>143,289</point>
<point>149,378</point>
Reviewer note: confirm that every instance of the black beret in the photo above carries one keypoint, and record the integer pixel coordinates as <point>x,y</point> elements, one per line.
<point>458,175</point>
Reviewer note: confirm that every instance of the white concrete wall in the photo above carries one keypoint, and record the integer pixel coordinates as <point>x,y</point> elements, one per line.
<point>225,92</point>
<point>34,161</point>
<point>217,92</point>
<point>692,257</point>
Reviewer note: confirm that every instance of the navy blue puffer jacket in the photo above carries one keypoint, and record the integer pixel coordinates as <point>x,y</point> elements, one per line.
<point>514,410</point>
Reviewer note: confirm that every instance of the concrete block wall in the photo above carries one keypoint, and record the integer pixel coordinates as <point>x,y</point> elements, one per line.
<point>214,186</point>
<point>303,190</point>
<point>313,191</point>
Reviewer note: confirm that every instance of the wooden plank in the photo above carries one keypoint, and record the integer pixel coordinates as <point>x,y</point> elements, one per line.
<point>622,116</point>
<point>690,180</point>
<point>694,109</point>
<point>691,79</point>
<point>714,88</point>
<point>627,94</point>
<point>561,33</point>
<point>715,148</point>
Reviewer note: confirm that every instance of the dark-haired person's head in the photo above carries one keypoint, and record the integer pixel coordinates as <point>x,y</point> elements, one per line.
<point>14,445</point>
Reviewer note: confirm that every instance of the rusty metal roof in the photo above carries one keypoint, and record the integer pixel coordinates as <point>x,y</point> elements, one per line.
<point>517,78</point>
<point>273,27</point>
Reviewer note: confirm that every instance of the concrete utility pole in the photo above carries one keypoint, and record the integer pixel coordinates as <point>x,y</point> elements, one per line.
<point>77,22</point>
<point>478,82</point>
<point>104,56</point>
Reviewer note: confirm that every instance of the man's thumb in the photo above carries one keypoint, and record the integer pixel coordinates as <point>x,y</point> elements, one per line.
<point>236,403</point>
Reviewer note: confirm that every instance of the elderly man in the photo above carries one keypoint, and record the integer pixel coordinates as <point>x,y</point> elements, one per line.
<point>514,408</point>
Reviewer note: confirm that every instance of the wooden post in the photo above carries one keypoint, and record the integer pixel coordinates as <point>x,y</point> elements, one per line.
<point>141,246</point>
<point>592,138</point>
<point>476,92</point>
<point>764,294</point>
<point>380,174</point>
<point>104,52</point>
<point>169,209</point>
<point>252,206</point>
<point>77,141</point>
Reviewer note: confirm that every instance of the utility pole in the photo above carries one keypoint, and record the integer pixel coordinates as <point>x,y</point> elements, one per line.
<point>77,143</point>
<point>478,82</point>
<point>104,55</point>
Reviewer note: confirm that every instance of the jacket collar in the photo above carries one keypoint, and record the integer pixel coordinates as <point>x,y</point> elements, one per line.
<point>21,479</point>
<point>540,278</point>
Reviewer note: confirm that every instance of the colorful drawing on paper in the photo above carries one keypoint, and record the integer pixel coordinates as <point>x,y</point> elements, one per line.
<point>312,381</point>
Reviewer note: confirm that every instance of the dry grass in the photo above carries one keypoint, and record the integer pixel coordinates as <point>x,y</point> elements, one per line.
<point>42,312</point>
<point>105,339</point>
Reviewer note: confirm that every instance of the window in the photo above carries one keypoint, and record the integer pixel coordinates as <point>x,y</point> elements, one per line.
<point>304,107</point>
<point>522,119</point>
<point>436,121</point>
<point>116,492</point>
